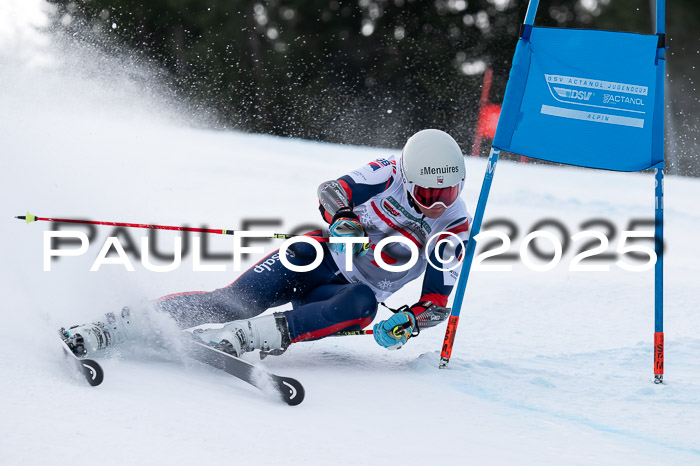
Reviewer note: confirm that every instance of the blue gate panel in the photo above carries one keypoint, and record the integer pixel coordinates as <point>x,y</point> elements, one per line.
<point>584,97</point>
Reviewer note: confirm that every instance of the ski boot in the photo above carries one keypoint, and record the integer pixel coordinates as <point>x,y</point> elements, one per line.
<point>88,338</point>
<point>269,334</point>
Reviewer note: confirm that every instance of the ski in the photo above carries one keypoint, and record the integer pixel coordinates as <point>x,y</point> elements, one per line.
<point>291,391</point>
<point>90,369</point>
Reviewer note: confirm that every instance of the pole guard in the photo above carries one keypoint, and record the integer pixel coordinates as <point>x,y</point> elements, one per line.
<point>658,357</point>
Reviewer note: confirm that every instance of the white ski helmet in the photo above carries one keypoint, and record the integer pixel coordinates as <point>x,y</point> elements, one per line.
<point>432,168</point>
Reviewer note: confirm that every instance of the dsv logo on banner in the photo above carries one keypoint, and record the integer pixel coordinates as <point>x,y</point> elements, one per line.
<point>573,94</point>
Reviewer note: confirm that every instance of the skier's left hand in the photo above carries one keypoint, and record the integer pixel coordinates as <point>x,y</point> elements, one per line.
<point>346,224</point>
<point>394,332</point>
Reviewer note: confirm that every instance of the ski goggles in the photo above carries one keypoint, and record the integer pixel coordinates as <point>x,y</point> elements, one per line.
<point>430,197</point>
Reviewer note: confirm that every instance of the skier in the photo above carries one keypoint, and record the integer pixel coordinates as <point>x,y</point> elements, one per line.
<point>413,199</point>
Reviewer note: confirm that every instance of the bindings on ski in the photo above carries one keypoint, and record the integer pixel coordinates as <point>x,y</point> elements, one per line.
<point>88,338</point>
<point>269,334</point>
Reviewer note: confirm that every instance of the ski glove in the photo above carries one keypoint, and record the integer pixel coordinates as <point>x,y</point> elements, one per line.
<point>346,224</point>
<point>394,332</point>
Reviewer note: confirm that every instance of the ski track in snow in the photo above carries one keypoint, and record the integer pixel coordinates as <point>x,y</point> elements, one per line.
<point>548,368</point>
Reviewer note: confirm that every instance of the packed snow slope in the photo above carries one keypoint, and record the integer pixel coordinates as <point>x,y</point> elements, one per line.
<point>549,367</point>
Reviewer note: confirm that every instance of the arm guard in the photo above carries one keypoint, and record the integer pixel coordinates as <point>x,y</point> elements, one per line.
<point>332,197</point>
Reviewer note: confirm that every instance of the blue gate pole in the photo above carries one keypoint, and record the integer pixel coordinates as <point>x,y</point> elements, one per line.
<point>452,322</point>
<point>529,19</point>
<point>531,12</point>
<point>659,199</point>
<point>468,257</point>
<point>659,278</point>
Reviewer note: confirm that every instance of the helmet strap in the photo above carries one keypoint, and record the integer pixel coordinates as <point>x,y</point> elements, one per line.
<point>412,202</point>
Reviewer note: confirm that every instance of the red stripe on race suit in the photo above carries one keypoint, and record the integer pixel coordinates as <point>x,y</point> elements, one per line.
<point>387,258</point>
<point>326,216</point>
<point>185,293</point>
<point>347,189</point>
<point>394,226</point>
<point>309,233</point>
<point>175,295</point>
<point>462,227</point>
<point>324,332</point>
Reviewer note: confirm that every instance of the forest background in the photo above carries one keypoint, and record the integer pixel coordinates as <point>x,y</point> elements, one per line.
<point>368,72</point>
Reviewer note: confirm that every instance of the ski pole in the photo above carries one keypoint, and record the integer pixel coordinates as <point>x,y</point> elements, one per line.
<point>347,333</point>
<point>29,218</point>
<point>431,317</point>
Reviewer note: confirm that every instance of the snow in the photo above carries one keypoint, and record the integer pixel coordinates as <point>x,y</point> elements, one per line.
<point>548,367</point>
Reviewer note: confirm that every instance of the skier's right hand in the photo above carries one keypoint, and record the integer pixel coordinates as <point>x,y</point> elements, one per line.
<point>346,224</point>
<point>394,332</point>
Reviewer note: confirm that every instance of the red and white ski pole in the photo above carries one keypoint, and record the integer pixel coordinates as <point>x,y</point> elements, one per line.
<point>29,218</point>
